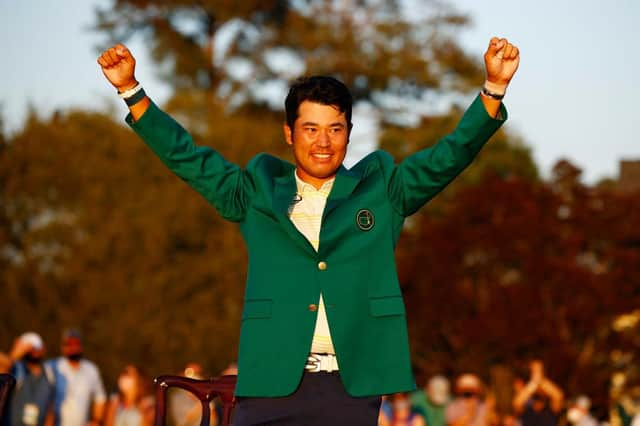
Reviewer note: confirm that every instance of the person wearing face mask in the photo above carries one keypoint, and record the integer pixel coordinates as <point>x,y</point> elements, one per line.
<point>470,407</point>
<point>578,413</point>
<point>133,404</point>
<point>80,397</point>
<point>31,403</point>
<point>432,400</point>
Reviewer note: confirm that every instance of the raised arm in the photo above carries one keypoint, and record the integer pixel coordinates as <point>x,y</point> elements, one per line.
<point>118,66</point>
<point>501,62</point>
<point>555,394</point>
<point>222,183</point>
<point>538,383</point>
<point>424,174</point>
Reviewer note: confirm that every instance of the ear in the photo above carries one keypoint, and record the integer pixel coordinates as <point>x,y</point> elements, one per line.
<point>288,134</point>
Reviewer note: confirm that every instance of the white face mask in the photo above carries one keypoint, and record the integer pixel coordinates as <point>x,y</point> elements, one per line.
<point>439,395</point>
<point>126,384</point>
<point>574,415</point>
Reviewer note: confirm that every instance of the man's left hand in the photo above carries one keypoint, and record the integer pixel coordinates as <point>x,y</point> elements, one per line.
<point>501,60</point>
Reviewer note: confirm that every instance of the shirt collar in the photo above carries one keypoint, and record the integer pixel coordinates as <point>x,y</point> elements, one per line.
<point>304,186</point>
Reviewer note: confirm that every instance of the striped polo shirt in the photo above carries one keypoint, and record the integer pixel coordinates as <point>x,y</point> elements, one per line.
<point>306,215</point>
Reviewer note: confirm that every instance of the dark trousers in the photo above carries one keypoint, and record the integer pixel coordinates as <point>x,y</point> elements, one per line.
<point>319,400</point>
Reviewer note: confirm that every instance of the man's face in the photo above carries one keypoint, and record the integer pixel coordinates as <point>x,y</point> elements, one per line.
<point>72,346</point>
<point>319,139</point>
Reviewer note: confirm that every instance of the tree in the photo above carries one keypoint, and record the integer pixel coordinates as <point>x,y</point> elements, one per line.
<point>81,247</point>
<point>516,270</point>
<point>389,55</point>
<point>379,49</point>
<point>95,232</point>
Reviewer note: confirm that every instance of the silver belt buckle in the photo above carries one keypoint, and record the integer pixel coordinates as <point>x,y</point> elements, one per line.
<point>321,362</point>
<point>313,364</point>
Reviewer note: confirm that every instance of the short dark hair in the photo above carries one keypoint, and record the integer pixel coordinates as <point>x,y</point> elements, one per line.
<point>320,89</point>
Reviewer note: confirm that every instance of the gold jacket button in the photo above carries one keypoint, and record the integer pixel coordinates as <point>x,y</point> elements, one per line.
<point>322,265</point>
<point>313,307</point>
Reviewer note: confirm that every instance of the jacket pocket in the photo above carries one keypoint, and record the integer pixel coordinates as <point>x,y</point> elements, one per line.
<point>257,308</point>
<point>386,306</point>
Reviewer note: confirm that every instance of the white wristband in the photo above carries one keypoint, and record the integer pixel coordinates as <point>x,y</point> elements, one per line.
<point>129,93</point>
<point>498,89</point>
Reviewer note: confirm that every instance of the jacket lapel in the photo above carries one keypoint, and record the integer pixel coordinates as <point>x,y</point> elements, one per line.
<point>344,185</point>
<point>285,189</point>
<point>283,193</point>
<point>346,181</point>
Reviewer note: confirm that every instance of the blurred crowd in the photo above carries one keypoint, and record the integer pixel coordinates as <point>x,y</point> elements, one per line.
<point>536,401</point>
<point>69,391</point>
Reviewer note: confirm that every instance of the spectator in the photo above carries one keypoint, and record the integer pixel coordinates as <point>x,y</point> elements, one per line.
<point>469,407</point>
<point>32,400</point>
<point>80,396</point>
<point>509,419</point>
<point>431,401</point>
<point>539,401</point>
<point>5,363</point>
<point>399,412</point>
<point>133,404</point>
<point>578,413</point>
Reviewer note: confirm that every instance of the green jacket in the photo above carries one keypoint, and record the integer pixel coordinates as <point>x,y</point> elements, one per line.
<point>358,278</point>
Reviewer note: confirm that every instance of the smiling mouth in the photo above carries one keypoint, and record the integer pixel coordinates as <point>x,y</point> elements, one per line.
<point>321,156</point>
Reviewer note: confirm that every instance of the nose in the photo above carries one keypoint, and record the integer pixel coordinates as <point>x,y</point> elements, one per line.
<point>323,138</point>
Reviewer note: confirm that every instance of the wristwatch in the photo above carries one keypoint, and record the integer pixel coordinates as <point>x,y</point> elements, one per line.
<point>492,95</point>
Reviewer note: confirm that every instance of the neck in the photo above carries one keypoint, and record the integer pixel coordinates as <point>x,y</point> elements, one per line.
<point>128,399</point>
<point>75,364</point>
<point>34,369</point>
<point>313,181</point>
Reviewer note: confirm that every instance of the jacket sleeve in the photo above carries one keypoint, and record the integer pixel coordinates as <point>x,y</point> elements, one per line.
<point>223,184</point>
<point>421,176</point>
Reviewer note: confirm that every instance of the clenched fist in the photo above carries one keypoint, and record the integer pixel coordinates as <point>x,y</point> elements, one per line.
<point>118,65</point>
<point>501,60</point>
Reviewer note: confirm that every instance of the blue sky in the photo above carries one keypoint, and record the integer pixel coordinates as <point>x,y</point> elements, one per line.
<point>574,95</point>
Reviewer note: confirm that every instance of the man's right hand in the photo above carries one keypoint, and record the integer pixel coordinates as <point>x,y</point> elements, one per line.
<point>118,65</point>
<point>20,348</point>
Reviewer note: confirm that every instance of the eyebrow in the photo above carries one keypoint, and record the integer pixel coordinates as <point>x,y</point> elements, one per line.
<point>311,123</point>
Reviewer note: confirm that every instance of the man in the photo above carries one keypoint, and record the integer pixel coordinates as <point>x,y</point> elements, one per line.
<point>579,414</point>
<point>80,397</point>
<point>469,407</point>
<point>432,400</point>
<point>323,329</point>
<point>31,402</point>
<point>539,401</point>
